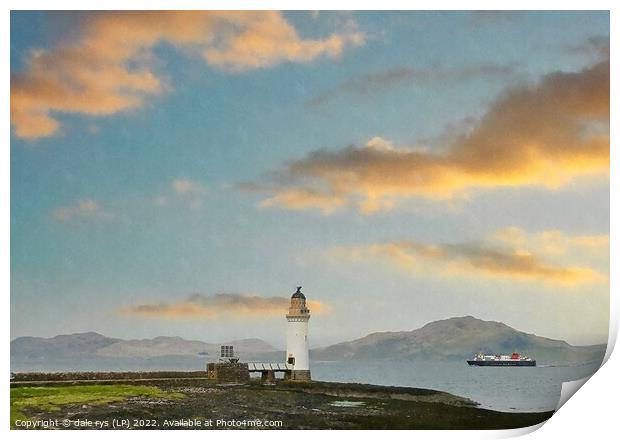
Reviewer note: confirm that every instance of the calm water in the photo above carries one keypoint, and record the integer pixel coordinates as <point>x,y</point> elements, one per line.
<point>503,389</point>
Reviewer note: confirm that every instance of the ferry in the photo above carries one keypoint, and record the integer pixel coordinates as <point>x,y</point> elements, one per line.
<point>501,360</point>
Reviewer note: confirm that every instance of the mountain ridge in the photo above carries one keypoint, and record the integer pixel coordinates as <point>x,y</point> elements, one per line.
<point>453,338</point>
<point>92,344</point>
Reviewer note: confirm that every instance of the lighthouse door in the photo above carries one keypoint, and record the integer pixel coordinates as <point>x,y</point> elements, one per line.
<point>291,360</point>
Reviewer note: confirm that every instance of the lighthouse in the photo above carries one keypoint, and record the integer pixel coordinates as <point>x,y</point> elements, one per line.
<point>297,358</point>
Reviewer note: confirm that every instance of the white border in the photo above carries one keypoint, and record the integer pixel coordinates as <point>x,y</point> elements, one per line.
<point>591,414</point>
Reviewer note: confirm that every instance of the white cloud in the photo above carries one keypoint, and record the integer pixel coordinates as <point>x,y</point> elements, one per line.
<point>83,208</point>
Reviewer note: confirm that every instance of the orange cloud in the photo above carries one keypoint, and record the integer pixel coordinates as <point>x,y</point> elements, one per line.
<point>545,134</point>
<point>487,259</point>
<point>221,305</point>
<point>554,242</point>
<point>110,67</point>
<point>304,198</point>
<point>84,208</point>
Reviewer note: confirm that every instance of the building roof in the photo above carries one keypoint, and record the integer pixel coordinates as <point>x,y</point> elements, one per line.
<point>298,294</point>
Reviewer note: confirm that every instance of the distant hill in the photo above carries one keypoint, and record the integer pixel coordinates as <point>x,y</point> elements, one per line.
<point>176,346</point>
<point>457,339</point>
<point>82,344</point>
<point>93,345</point>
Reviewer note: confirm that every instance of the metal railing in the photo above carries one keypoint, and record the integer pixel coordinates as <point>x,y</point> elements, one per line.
<point>268,366</point>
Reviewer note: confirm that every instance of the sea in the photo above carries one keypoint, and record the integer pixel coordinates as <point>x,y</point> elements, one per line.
<point>509,389</point>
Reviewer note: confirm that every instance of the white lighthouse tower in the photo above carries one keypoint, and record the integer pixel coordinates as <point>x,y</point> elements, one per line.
<point>297,357</point>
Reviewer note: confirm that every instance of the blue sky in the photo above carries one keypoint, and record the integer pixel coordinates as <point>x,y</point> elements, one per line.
<point>250,169</point>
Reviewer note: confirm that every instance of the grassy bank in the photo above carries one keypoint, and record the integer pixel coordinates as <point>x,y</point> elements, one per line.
<point>52,399</point>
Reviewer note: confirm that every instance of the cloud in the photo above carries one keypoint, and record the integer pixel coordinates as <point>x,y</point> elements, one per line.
<point>186,186</point>
<point>220,305</point>
<point>544,135</point>
<point>373,83</point>
<point>487,259</point>
<point>186,191</point>
<point>109,66</point>
<point>554,242</point>
<point>596,46</point>
<point>303,199</point>
<point>84,208</point>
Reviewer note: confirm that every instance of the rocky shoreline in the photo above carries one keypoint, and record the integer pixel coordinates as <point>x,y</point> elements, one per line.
<point>198,403</point>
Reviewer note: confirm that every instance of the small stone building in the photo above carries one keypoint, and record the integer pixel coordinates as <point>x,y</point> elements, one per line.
<point>228,372</point>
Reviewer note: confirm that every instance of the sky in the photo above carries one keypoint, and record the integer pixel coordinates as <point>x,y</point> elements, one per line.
<point>180,173</point>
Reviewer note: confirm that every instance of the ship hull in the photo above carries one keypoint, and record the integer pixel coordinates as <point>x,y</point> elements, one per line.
<point>500,363</point>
